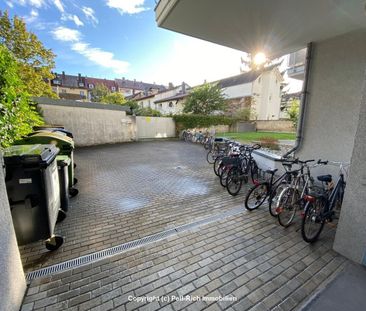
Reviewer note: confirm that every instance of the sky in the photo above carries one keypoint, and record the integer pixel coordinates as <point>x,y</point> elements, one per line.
<point>120,38</point>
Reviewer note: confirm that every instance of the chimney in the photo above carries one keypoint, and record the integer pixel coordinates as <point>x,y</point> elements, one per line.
<point>63,74</point>
<point>171,86</point>
<point>183,88</point>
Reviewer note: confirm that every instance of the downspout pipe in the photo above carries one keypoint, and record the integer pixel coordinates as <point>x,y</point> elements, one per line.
<point>303,103</point>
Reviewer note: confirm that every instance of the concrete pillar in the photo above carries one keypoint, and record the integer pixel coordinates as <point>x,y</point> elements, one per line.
<point>350,238</point>
<point>12,281</point>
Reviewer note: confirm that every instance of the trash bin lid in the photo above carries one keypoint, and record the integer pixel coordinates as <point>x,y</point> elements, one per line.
<point>63,160</point>
<point>30,155</point>
<point>46,126</point>
<point>61,141</point>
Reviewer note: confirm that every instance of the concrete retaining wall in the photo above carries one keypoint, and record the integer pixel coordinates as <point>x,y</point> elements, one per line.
<point>12,281</point>
<point>275,126</point>
<point>243,126</point>
<point>91,126</point>
<point>154,127</point>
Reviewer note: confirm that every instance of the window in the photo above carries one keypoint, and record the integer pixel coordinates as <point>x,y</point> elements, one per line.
<point>171,104</point>
<point>56,82</point>
<point>91,86</point>
<point>113,88</point>
<point>82,93</point>
<point>63,91</point>
<point>160,105</point>
<point>81,84</point>
<point>54,89</point>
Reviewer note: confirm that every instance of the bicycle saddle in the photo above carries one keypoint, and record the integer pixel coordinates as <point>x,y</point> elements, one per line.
<point>272,172</point>
<point>325,178</point>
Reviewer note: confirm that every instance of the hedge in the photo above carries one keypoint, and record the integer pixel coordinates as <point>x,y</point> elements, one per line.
<point>188,121</point>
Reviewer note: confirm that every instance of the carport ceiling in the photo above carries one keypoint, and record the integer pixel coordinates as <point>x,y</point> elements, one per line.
<point>274,26</point>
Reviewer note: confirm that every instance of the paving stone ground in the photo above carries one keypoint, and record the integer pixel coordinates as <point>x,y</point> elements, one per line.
<point>247,257</point>
<point>131,190</point>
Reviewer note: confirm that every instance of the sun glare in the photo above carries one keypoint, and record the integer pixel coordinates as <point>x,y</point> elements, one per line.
<point>260,58</point>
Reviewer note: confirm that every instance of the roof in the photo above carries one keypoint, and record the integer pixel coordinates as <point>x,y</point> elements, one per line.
<point>95,81</point>
<point>176,87</point>
<point>129,84</point>
<point>175,97</point>
<point>243,78</point>
<point>68,80</point>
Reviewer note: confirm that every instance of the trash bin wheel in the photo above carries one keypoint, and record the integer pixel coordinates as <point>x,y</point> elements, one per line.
<point>54,242</point>
<point>75,181</point>
<point>61,216</point>
<point>73,192</point>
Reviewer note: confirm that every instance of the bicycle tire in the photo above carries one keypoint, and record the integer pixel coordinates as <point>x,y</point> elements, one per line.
<point>259,193</point>
<point>286,208</point>
<point>216,165</point>
<point>233,179</point>
<point>210,157</point>
<point>273,199</point>
<point>313,212</point>
<point>254,172</point>
<point>223,176</point>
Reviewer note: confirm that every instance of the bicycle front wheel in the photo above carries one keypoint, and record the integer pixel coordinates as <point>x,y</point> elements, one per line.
<point>256,196</point>
<point>313,222</point>
<point>287,205</point>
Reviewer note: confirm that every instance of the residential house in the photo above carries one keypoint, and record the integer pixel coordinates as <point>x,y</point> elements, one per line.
<point>333,104</point>
<point>259,91</point>
<point>69,86</point>
<point>172,100</point>
<point>296,64</point>
<point>132,88</point>
<point>91,83</point>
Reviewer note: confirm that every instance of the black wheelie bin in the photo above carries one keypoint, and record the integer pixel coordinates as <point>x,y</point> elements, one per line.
<point>33,189</point>
<point>66,146</point>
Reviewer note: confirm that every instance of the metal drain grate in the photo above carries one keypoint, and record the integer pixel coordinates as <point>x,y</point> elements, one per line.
<point>90,258</point>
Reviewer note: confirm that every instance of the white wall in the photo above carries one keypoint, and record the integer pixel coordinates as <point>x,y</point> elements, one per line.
<point>12,281</point>
<point>92,126</point>
<point>153,127</point>
<point>241,90</point>
<point>267,96</point>
<point>335,129</point>
<point>335,87</point>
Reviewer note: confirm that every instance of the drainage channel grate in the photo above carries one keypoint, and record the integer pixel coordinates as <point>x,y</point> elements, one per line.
<point>90,258</point>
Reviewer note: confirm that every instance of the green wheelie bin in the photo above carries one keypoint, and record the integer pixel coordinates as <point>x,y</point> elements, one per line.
<point>63,142</point>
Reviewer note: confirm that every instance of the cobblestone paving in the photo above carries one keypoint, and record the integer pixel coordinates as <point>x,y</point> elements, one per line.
<point>131,190</point>
<point>248,257</point>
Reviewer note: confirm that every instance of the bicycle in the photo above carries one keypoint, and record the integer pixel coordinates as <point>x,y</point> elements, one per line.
<point>293,196</point>
<point>320,206</point>
<point>269,189</point>
<point>239,173</point>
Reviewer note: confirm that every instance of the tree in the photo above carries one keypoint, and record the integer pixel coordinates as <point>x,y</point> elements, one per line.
<point>293,112</point>
<point>35,61</point>
<point>114,98</point>
<point>99,92</point>
<point>18,113</point>
<point>205,99</point>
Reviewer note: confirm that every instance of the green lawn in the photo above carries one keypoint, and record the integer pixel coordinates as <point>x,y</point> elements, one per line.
<point>254,136</point>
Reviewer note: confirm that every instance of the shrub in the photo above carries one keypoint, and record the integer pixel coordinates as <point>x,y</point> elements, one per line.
<point>148,112</point>
<point>270,143</point>
<point>18,113</point>
<point>189,121</point>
